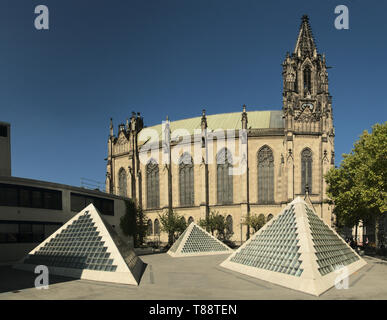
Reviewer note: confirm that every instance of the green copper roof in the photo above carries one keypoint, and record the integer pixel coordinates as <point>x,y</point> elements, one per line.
<point>256,120</point>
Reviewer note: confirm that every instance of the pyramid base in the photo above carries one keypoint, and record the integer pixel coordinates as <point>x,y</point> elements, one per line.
<point>84,274</point>
<point>314,287</point>
<point>197,254</point>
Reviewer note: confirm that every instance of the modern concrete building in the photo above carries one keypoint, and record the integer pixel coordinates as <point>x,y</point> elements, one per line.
<point>5,149</point>
<point>239,164</point>
<point>31,210</point>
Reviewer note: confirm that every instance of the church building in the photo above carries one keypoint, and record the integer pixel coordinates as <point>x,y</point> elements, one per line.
<point>237,164</point>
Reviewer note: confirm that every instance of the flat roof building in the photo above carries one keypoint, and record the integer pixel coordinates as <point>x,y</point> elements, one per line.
<point>5,149</point>
<point>31,210</point>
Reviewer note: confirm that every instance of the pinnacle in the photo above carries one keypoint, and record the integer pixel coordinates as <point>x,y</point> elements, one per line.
<point>305,45</point>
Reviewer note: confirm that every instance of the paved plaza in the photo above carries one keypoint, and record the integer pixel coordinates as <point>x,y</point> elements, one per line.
<point>188,278</point>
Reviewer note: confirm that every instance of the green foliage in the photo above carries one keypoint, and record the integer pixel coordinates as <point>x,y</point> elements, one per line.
<point>172,223</point>
<point>358,188</point>
<point>134,222</point>
<point>255,222</point>
<point>217,223</point>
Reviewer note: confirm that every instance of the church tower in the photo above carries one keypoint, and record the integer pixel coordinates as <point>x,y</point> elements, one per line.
<point>307,104</point>
<point>307,111</point>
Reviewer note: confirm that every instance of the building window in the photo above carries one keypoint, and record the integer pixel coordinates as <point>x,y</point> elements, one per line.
<point>26,232</point>
<point>190,220</point>
<point>224,177</point>
<point>265,175</point>
<point>80,202</point>
<point>186,180</point>
<point>307,80</point>
<point>122,183</point>
<point>149,230</point>
<point>152,185</point>
<point>157,227</point>
<point>3,131</point>
<point>30,197</point>
<point>306,170</point>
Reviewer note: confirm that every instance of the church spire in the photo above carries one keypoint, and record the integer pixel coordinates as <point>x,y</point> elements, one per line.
<point>305,45</point>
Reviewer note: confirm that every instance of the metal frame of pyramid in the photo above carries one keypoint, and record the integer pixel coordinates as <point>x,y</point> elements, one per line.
<point>195,241</point>
<point>86,247</point>
<point>296,249</point>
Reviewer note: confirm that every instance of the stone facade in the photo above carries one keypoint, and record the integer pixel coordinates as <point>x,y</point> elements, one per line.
<point>278,155</point>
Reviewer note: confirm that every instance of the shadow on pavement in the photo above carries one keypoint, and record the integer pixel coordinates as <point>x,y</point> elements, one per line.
<point>12,280</point>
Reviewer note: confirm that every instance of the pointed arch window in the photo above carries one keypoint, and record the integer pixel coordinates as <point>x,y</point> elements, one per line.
<point>152,185</point>
<point>157,227</point>
<point>186,180</point>
<point>122,183</point>
<point>307,80</point>
<point>306,170</point>
<point>224,177</point>
<point>149,230</point>
<point>265,175</point>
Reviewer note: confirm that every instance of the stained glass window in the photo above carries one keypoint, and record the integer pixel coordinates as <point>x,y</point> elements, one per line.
<point>306,170</point>
<point>224,177</point>
<point>265,175</point>
<point>152,184</point>
<point>122,182</point>
<point>186,180</point>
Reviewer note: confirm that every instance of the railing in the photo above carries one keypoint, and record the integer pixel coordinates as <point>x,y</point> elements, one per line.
<point>92,184</point>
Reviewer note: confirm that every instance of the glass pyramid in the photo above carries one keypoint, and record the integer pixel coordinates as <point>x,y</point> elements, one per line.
<point>87,247</point>
<point>331,252</point>
<point>296,249</point>
<point>195,241</point>
<point>275,249</point>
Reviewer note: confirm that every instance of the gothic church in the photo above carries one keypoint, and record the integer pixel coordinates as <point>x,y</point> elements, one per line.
<point>288,153</point>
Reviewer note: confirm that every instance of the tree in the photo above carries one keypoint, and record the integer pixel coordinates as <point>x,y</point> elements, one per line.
<point>173,224</point>
<point>358,188</point>
<point>134,222</point>
<point>216,223</point>
<point>255,222</point>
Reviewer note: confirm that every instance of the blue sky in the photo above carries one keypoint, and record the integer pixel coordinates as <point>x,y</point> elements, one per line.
<point>102,59</point>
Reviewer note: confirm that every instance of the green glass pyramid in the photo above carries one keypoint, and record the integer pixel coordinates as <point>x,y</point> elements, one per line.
<point>86,247</point>
<point>296,249</point>
<point>195,241</point>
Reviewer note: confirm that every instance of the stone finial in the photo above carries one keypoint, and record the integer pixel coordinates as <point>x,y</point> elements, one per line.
<point>111,127</point>
<point>204,120</point>
<point>244,117</point>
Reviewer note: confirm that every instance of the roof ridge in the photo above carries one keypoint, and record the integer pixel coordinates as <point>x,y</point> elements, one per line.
<point>215,114</point>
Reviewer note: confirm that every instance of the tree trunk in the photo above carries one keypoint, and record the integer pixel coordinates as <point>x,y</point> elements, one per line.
<point>377,232</point>
<point>356,226</point>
